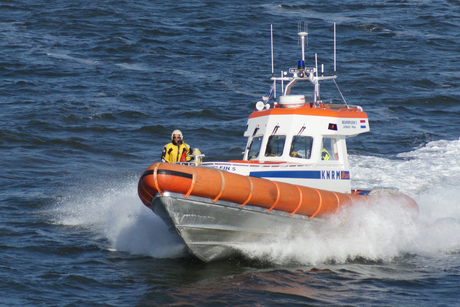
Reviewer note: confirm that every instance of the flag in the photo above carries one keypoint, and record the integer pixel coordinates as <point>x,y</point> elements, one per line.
<point>269,95</point>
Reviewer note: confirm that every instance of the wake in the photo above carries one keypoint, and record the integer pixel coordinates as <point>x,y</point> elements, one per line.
<point>113,211</point>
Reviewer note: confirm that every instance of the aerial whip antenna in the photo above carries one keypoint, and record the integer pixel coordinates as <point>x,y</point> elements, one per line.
<point>271,37</point>
<point>335,50</point>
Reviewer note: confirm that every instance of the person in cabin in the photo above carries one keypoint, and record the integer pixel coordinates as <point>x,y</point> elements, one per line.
<point>176,150</point>
<point>325,154</point>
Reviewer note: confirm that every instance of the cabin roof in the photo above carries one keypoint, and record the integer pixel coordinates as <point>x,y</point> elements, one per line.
<point>325,110</point>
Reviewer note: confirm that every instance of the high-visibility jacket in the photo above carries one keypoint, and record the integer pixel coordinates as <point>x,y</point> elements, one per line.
<point>325,154</point>
<point>176,153</point>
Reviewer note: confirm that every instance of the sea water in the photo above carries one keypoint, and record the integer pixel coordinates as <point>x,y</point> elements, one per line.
<point>90,93</point>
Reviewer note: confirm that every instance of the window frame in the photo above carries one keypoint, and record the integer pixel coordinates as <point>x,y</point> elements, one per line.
<point>251,147</point>
<point>269,145</point>
<point>294,142</point>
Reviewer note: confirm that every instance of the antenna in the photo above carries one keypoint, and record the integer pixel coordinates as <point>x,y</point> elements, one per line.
<point>302,35</point>
<point>335,50</point>
<point>271,37</point>
<point>316,99</point>
<point>316,63</point>
<point>306,30</point>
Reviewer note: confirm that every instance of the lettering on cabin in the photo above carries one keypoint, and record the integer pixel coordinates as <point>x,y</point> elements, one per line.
<point>226,168</point>
<point>335,175</point>
<point>349,124</point>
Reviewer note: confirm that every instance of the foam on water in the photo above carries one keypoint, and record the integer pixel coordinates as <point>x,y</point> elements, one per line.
<point>64,56</point>
<point>428,174</point>
<point>434,165</point>
<point>113,211</point>
<point>374,233</point>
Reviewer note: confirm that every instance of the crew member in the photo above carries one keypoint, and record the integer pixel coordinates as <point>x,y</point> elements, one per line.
<point>177,150</point>
<point>325,154</point>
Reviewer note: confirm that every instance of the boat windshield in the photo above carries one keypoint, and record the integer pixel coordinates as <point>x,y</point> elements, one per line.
<point>329,150</point>
<point>275,146</point>
<point>301,147</point>
<point>254,148</point>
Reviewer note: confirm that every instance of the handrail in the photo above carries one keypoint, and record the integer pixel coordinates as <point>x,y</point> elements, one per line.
<point>300,201</point>
<point>250,192</point>
<point>192,185</point>
<point>278,195</point>
<point>221,187</point>
<point>155,179</point>
<point>320,203</point>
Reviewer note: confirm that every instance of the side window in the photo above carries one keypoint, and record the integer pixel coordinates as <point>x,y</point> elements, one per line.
<point>254,148</point>
<point>301,147</point>
<point>275,146</point>
<point>329,149</point>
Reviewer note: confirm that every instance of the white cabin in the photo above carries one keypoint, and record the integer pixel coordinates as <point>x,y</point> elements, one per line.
<point>298,141</point>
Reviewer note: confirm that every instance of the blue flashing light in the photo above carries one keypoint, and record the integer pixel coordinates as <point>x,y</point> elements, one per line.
<point>301,65</point>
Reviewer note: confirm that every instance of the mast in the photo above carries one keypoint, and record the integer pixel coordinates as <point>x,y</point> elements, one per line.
<point>302,73</point>
<point>302,35</point>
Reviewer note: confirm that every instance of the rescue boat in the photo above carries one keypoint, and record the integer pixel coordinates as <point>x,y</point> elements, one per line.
<point>294,171</point>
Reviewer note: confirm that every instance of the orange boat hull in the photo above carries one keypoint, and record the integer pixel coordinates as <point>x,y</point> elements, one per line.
<point>217,185</point>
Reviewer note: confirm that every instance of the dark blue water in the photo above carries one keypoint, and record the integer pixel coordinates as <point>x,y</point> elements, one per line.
<point>90,92</point>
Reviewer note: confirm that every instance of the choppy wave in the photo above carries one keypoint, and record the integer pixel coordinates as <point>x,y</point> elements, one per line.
<point>379,233</point>
<point>91,92</point>
<point>113,212</point>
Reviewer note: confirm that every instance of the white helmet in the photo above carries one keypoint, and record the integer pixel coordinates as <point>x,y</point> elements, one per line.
<point>177,132</point>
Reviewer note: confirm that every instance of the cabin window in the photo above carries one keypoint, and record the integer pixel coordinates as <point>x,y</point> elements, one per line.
<point>301,147</point>
<point>329,150</point>
<point>254,148</point>
<point>275,146</point>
